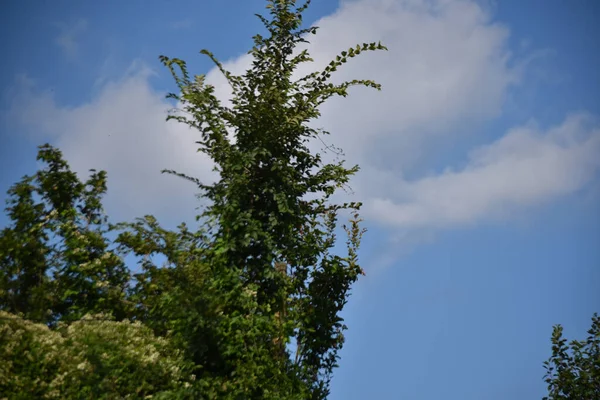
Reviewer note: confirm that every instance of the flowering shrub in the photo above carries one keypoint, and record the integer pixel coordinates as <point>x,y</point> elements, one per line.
<point>95,357</point>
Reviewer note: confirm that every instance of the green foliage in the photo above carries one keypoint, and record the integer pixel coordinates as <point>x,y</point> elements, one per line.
<point>94,357</point>
<point>232,296</point>
<point>55,261</point>
<point>573,371</point>
<point>260,216</point>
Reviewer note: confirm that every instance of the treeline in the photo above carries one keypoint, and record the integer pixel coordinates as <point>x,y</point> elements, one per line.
<point>247,304</point>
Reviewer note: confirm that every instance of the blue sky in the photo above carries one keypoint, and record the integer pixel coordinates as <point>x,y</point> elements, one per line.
<point>479,162</point>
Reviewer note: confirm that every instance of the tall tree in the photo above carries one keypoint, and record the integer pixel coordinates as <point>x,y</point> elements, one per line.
<point>266,255</point>
<point>55,260</point>
<point>252,298</point>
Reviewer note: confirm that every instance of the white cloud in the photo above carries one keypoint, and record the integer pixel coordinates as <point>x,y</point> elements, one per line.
<point>448,68</point>
<point>124,132</point>
<point>69,35</point>
<point>526,167</point>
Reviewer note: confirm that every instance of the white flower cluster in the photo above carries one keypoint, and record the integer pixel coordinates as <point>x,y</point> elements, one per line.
<point>63,358</point>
